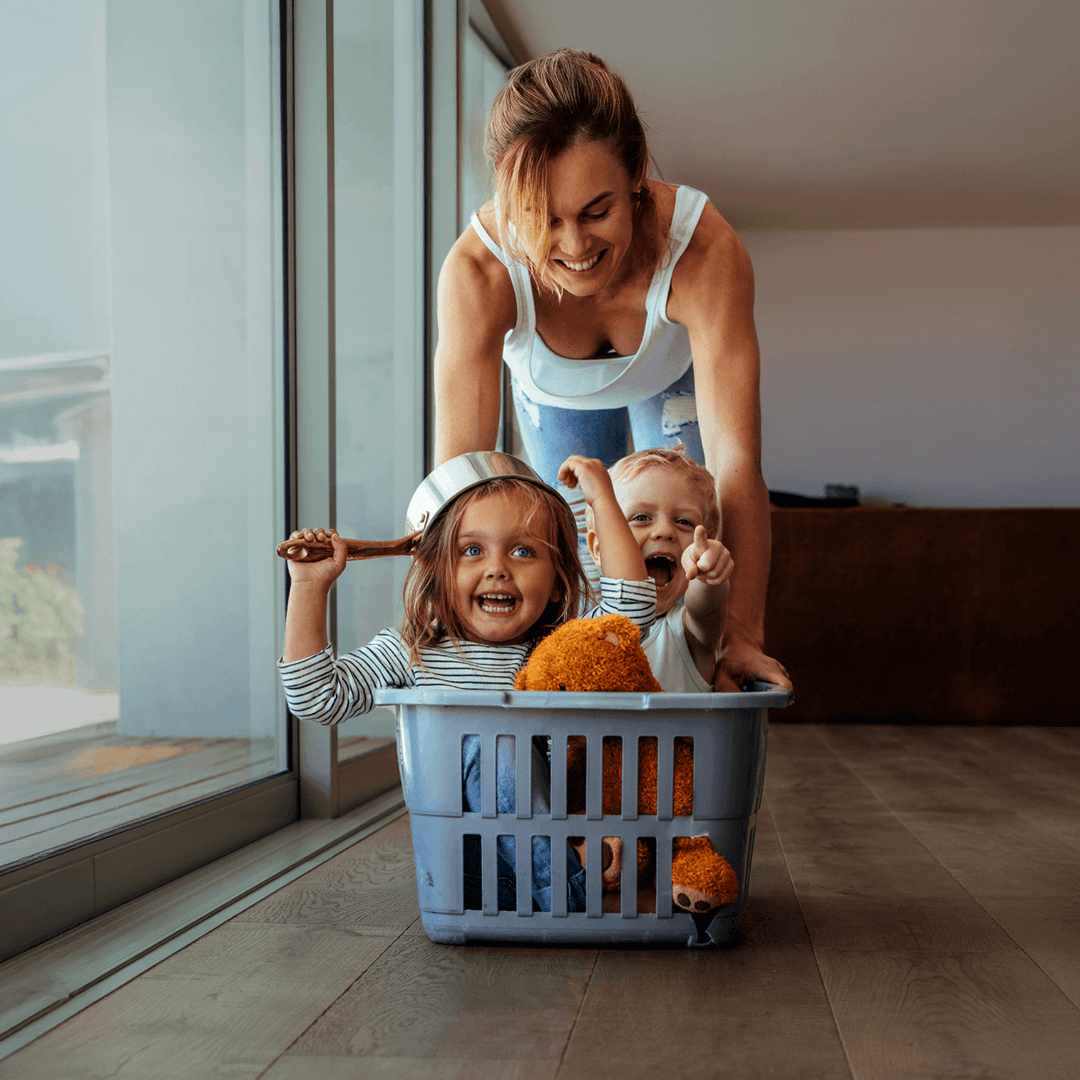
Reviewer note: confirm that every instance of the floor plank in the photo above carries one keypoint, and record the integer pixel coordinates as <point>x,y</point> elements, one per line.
<point>752,1010</point>
<point>398,1068</point>
<point>370,885</point>
<point>913,1014</point>
<point>922,980</point>
<point>34,981</point>
<point>226,1006</point>
<point>75,820</point>
<point>486,1003</point>
<point>965,800</point>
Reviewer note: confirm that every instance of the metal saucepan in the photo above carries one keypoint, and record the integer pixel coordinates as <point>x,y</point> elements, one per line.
<point>438,489</point>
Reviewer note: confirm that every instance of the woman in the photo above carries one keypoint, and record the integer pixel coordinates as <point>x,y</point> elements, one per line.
<point>621,305</point>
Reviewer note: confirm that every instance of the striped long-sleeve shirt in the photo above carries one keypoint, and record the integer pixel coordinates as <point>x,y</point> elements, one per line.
<point>330,691</point>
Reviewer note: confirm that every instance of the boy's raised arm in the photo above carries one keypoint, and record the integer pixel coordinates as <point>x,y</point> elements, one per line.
<point>622,556</point>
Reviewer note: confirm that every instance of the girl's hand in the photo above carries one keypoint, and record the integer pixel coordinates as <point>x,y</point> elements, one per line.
<point>707,559</point>
<point>325,572</point>
<point>587,473</point>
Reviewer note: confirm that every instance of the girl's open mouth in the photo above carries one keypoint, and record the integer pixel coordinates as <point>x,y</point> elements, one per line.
<point>584,265</point>
<point>497,603</point>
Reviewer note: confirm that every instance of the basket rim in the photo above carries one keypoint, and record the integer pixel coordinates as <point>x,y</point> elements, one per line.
<point>763,696</point>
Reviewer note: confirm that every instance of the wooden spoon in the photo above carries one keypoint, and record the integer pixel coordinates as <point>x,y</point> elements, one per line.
<point>317,550</point>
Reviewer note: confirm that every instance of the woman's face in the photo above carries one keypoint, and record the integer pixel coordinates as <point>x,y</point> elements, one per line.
<point>592,218</point>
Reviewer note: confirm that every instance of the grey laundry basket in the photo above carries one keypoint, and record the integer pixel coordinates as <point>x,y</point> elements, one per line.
<point>729,733</point>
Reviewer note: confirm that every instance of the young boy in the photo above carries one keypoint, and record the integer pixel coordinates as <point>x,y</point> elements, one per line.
<point>670,504</point>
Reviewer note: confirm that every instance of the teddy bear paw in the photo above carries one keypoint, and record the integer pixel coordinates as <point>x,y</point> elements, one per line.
<point>610,859</point>
<point>700,878</point>
<point>691,899</point>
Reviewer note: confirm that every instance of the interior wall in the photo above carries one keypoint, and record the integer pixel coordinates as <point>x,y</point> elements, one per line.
<point>935,367</point>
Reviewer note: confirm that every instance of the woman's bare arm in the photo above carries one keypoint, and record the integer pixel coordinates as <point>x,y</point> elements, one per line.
<point>712,294</point>
<point>476,309</point>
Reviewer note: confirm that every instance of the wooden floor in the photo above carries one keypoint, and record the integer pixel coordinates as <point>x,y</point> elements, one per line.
<point>914,914</point>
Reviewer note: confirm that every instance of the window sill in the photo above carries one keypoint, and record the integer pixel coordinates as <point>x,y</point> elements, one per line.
<point>51,982</point>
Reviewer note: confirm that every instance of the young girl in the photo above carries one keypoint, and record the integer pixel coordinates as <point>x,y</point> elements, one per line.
<point>493,573</point>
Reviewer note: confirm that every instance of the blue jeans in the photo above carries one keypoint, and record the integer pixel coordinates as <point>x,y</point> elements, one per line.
<point>505,846</point>
<point>550,434</point>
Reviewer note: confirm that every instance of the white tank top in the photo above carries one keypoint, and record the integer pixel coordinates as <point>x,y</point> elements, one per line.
<point>610,382</point>
<point>669,655</point>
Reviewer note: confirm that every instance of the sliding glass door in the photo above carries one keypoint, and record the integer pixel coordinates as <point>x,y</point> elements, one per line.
<point>141,420</point>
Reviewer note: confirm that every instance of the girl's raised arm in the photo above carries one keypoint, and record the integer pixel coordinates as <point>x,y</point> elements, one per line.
<point>305,617</point>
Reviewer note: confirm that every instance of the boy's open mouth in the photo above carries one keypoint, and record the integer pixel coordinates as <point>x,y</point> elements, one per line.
<point>661,568</point>
<point>497,603</point>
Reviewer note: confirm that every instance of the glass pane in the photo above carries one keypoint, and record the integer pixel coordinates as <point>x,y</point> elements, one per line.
<point>140,412</point>
<point>483,75</point>
<point>370,358</point>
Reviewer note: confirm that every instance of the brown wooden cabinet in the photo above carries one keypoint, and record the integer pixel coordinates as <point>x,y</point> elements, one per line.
<point>927,615</point>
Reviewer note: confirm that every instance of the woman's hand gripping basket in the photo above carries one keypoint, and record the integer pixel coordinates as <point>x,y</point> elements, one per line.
<point>619,779</point>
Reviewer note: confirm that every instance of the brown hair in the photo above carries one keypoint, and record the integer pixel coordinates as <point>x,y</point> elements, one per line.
<point>547,106</point>
<point>429,586</point>
<point>676,457</point>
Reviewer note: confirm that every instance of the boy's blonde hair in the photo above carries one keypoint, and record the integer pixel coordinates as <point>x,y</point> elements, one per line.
<point>429,586</point>
<point>660,457</point>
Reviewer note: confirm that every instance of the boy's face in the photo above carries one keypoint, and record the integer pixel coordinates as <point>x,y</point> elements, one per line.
<point>663,509</point>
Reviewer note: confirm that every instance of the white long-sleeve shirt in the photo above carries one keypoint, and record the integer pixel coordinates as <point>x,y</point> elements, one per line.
<point>329,691</point>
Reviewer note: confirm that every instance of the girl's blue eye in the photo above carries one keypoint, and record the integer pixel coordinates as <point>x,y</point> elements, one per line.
<point>472,549</point>
<point>521,549</point>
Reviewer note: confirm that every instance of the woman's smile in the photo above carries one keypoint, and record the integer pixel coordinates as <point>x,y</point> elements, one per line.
<point>582,266</point>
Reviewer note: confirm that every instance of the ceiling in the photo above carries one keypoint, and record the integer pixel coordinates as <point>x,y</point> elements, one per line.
<point>823,114</point>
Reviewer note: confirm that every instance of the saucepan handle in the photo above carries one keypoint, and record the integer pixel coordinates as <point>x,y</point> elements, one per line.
<point>317,550</point>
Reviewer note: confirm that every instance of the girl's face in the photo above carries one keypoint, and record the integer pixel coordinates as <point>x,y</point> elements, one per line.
<point>504,576</point>
<point>592,217</point>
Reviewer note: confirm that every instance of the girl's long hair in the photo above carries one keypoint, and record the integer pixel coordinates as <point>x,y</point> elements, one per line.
<point>430,614</point>
<point>546,106</point>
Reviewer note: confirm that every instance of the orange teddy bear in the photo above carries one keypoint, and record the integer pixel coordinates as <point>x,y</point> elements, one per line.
<point>605,654</point>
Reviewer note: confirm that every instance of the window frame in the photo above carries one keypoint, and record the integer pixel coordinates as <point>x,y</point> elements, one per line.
<point>329,787</point>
